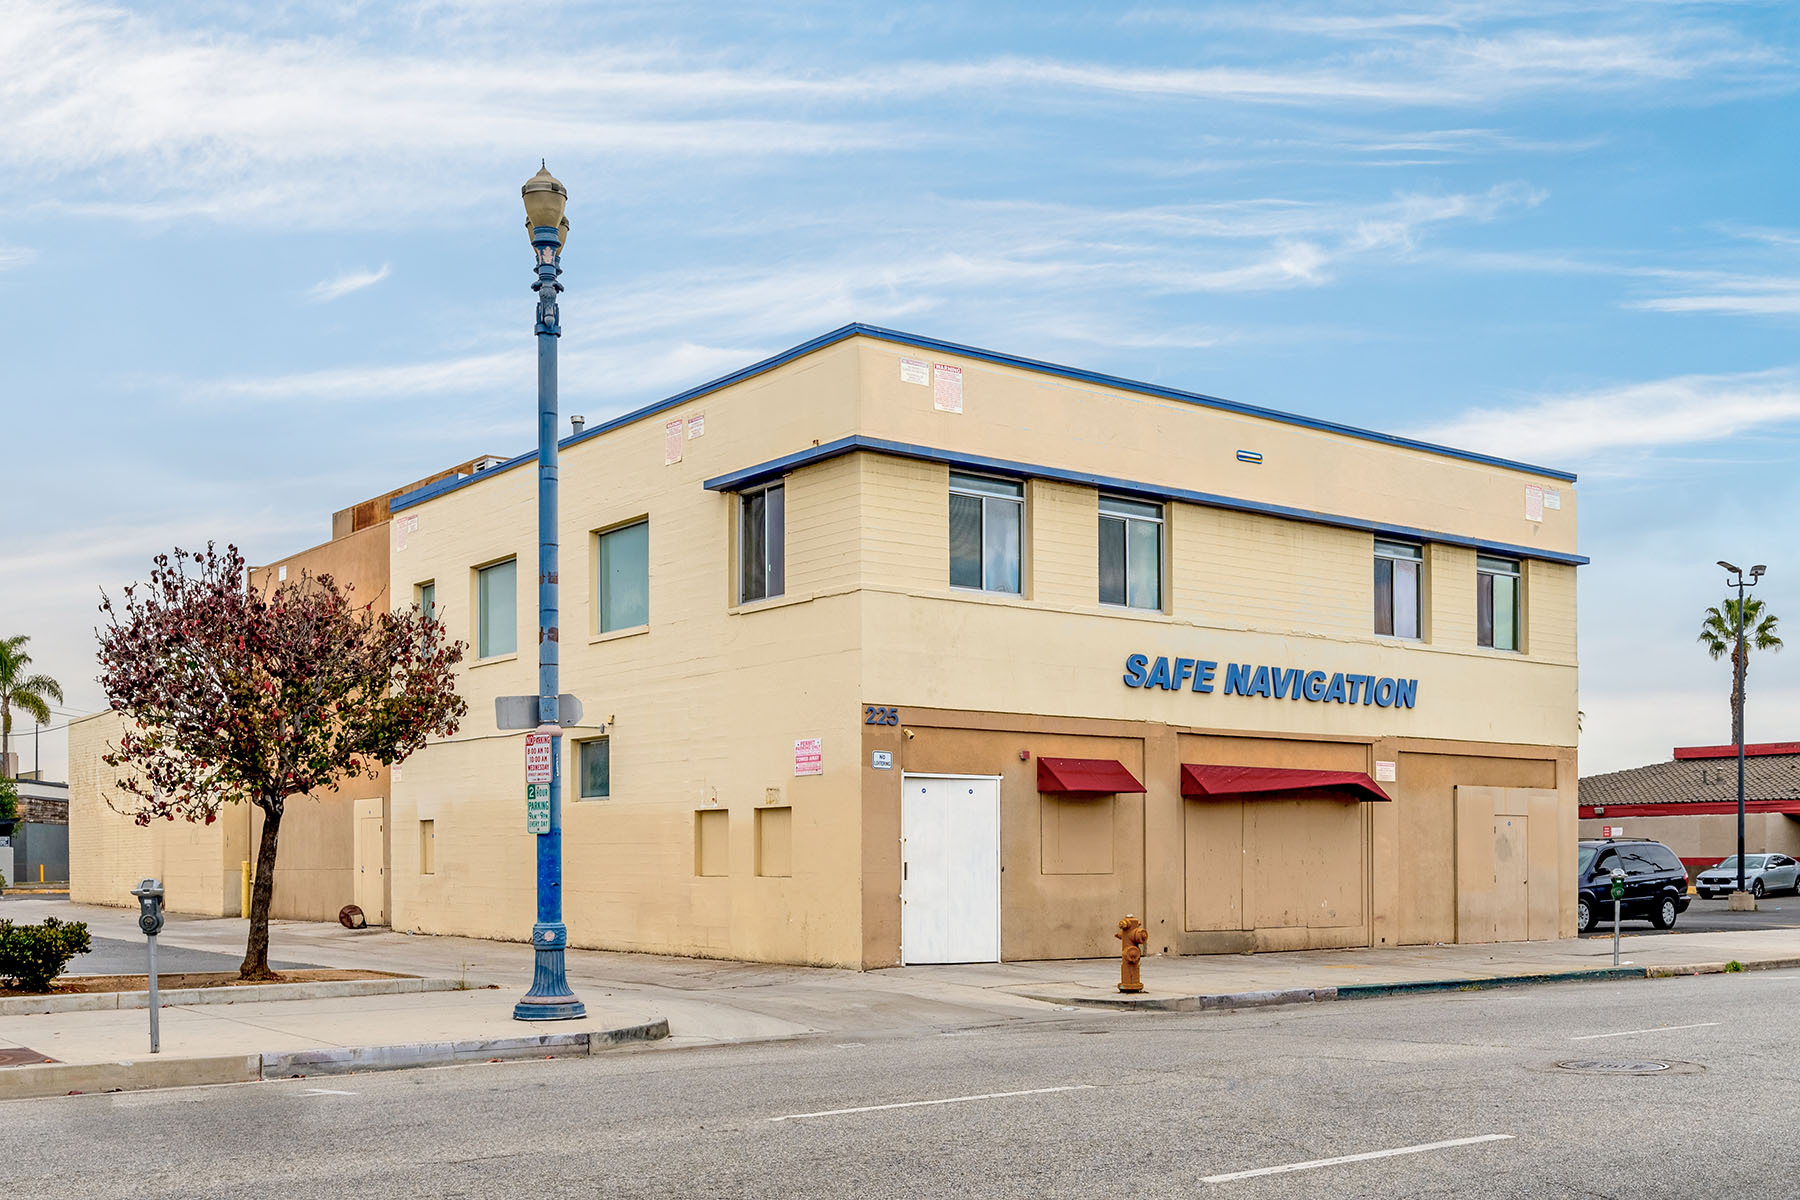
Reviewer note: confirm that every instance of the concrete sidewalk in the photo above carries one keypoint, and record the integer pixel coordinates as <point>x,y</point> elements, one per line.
<point>233,1043</point>
<point>1243,980</point>
<point>711,1001</point>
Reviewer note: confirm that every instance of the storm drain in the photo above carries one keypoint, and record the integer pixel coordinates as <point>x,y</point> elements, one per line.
<point>1614,1066</point>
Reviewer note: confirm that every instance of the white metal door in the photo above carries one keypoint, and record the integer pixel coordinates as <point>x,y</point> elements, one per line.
<point>950,869</point>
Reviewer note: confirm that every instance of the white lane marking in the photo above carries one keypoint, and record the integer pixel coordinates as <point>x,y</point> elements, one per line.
<point>325,1092</point>
<point>1588,1037</point>
<point>1350,1158</point>
<point>838,1112</point>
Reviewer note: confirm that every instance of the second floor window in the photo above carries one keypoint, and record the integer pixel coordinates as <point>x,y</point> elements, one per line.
<point>622,577</point>
<point>497,609</point>
<point>1130,553</point>
<point>1398,569</point>
<point>762,544</point>
<point>987,518</point>
<point>1497,602</point>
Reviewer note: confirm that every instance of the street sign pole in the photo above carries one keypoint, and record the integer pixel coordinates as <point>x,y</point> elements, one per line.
<point>550,997</point>
<point>1618,894</point>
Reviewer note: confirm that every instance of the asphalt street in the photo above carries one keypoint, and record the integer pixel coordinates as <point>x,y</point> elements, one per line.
<point>116,956</point>
<point>1714,916</point>
<point>1444,1095</point>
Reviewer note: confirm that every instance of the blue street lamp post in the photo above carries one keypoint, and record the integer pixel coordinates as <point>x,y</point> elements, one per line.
<point>550,997</point>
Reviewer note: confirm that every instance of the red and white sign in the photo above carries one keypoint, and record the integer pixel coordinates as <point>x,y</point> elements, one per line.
<point>946,388</point>
<point>1612,831</point>
<point>809,756</point>
<point>672,441</point>
<point>537,758</point>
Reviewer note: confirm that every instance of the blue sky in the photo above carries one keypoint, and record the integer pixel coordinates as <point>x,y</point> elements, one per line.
<point>260,261</point>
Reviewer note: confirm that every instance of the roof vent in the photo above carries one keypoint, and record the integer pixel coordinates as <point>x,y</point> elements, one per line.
<point>576,422</point>
<point>482,464</point>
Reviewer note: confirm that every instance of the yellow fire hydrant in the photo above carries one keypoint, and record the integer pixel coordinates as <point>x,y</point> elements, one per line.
<point>1132,935</point>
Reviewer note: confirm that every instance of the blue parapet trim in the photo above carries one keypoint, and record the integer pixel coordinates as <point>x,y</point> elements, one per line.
<point>750,476</point>
<point>918,342</point>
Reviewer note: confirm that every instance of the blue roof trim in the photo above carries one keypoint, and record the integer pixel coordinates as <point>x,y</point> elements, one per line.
<point>750,476</point>
<point>919,342</point>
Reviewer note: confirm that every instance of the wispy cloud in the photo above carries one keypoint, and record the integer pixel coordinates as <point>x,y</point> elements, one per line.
<point>15,256</point>
<point>1681,411</point>
<point>342,285</point>
<point>171,120</point>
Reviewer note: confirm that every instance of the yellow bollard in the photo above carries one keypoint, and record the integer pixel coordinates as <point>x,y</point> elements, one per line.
<point>244,892</point>
<point>40,872</point>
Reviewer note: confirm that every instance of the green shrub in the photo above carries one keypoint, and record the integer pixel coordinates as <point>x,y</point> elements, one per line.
<point>32,956</point>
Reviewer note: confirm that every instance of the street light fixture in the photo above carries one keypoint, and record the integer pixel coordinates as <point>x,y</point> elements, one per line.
<point>1738,669</point>
<point>550,997</point>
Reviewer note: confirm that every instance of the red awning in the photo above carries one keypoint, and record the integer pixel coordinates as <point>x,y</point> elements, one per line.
<point>1085,776</point>
<point>1201,780</point>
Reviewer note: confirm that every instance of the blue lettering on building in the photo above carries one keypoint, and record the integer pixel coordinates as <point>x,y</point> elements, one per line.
<point>1275,683</point>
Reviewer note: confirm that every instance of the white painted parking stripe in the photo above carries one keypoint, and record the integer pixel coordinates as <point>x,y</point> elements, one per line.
<point>1588,1037</point>
<point>1350,1158</point>
<point>838,1112</point>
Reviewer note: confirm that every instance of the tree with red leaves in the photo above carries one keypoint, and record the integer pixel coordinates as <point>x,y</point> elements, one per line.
<point>233,695</point>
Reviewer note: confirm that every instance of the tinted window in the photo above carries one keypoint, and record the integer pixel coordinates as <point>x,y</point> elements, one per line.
<point>1664,858</point>
<point>1636,861</point>
<point>1586,859</point>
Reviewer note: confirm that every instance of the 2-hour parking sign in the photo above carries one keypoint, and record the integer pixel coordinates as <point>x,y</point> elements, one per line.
<point>537,808</point>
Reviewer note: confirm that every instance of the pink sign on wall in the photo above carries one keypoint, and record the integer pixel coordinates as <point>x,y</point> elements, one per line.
<point>809,756</point>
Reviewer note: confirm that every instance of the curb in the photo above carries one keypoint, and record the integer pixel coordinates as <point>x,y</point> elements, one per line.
<point>144,1074</point>
<point>1369,991</point>
<point>325,989</point>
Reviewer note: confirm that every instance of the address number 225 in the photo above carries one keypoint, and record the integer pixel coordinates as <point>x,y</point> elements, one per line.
<point>875,714</point>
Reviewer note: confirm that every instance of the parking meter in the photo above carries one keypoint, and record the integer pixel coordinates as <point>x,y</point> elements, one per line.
<point>150,907</point>
<point>150,919</point>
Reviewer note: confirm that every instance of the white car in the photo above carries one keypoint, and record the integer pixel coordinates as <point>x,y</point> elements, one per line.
<point>1763,873</point>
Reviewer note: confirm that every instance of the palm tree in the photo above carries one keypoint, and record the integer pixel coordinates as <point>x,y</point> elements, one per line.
<point>30,694</point>
<point>1718,633</point>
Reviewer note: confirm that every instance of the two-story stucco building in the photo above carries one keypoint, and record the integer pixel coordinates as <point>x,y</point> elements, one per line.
<point>894,650</point>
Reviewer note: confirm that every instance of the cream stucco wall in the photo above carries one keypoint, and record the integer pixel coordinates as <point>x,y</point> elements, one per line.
<point>704,704</point>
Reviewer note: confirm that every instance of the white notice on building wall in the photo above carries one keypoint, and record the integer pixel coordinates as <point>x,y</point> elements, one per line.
<point>404,528</point>
<point>537,758</point>
<point>946,388</point>
<point>696,426</point>
<point>914,371</point>
<point>1384,772</point>
<point>809,756</point>
<point>1552,499</point>
<point>1534,502</point>
<point>672,441</point>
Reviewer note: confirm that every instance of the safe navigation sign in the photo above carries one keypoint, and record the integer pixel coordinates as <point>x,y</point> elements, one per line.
<point>537,808</point>
<point>537,760</point>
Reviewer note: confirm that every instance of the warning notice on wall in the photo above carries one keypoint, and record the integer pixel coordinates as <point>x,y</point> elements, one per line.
<point>1384,771</point>
<point>697,425</point>
<point>914,371</point>
<point>946,388</point>
<point>672,441</point>
<point>537,758</point>
<point>1552,499</point>
<point>1534,502</point>
<point>809,756</point>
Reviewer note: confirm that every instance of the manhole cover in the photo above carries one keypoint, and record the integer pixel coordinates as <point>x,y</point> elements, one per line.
<point>19,1056</point>
<point>1613,1066</point>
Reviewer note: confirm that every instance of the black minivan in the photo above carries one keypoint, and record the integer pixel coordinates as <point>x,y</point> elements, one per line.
<point>1656,884</point>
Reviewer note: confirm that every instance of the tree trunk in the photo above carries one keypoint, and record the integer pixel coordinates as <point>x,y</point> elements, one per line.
<point>262,896</point>
<point>1738,671</point>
